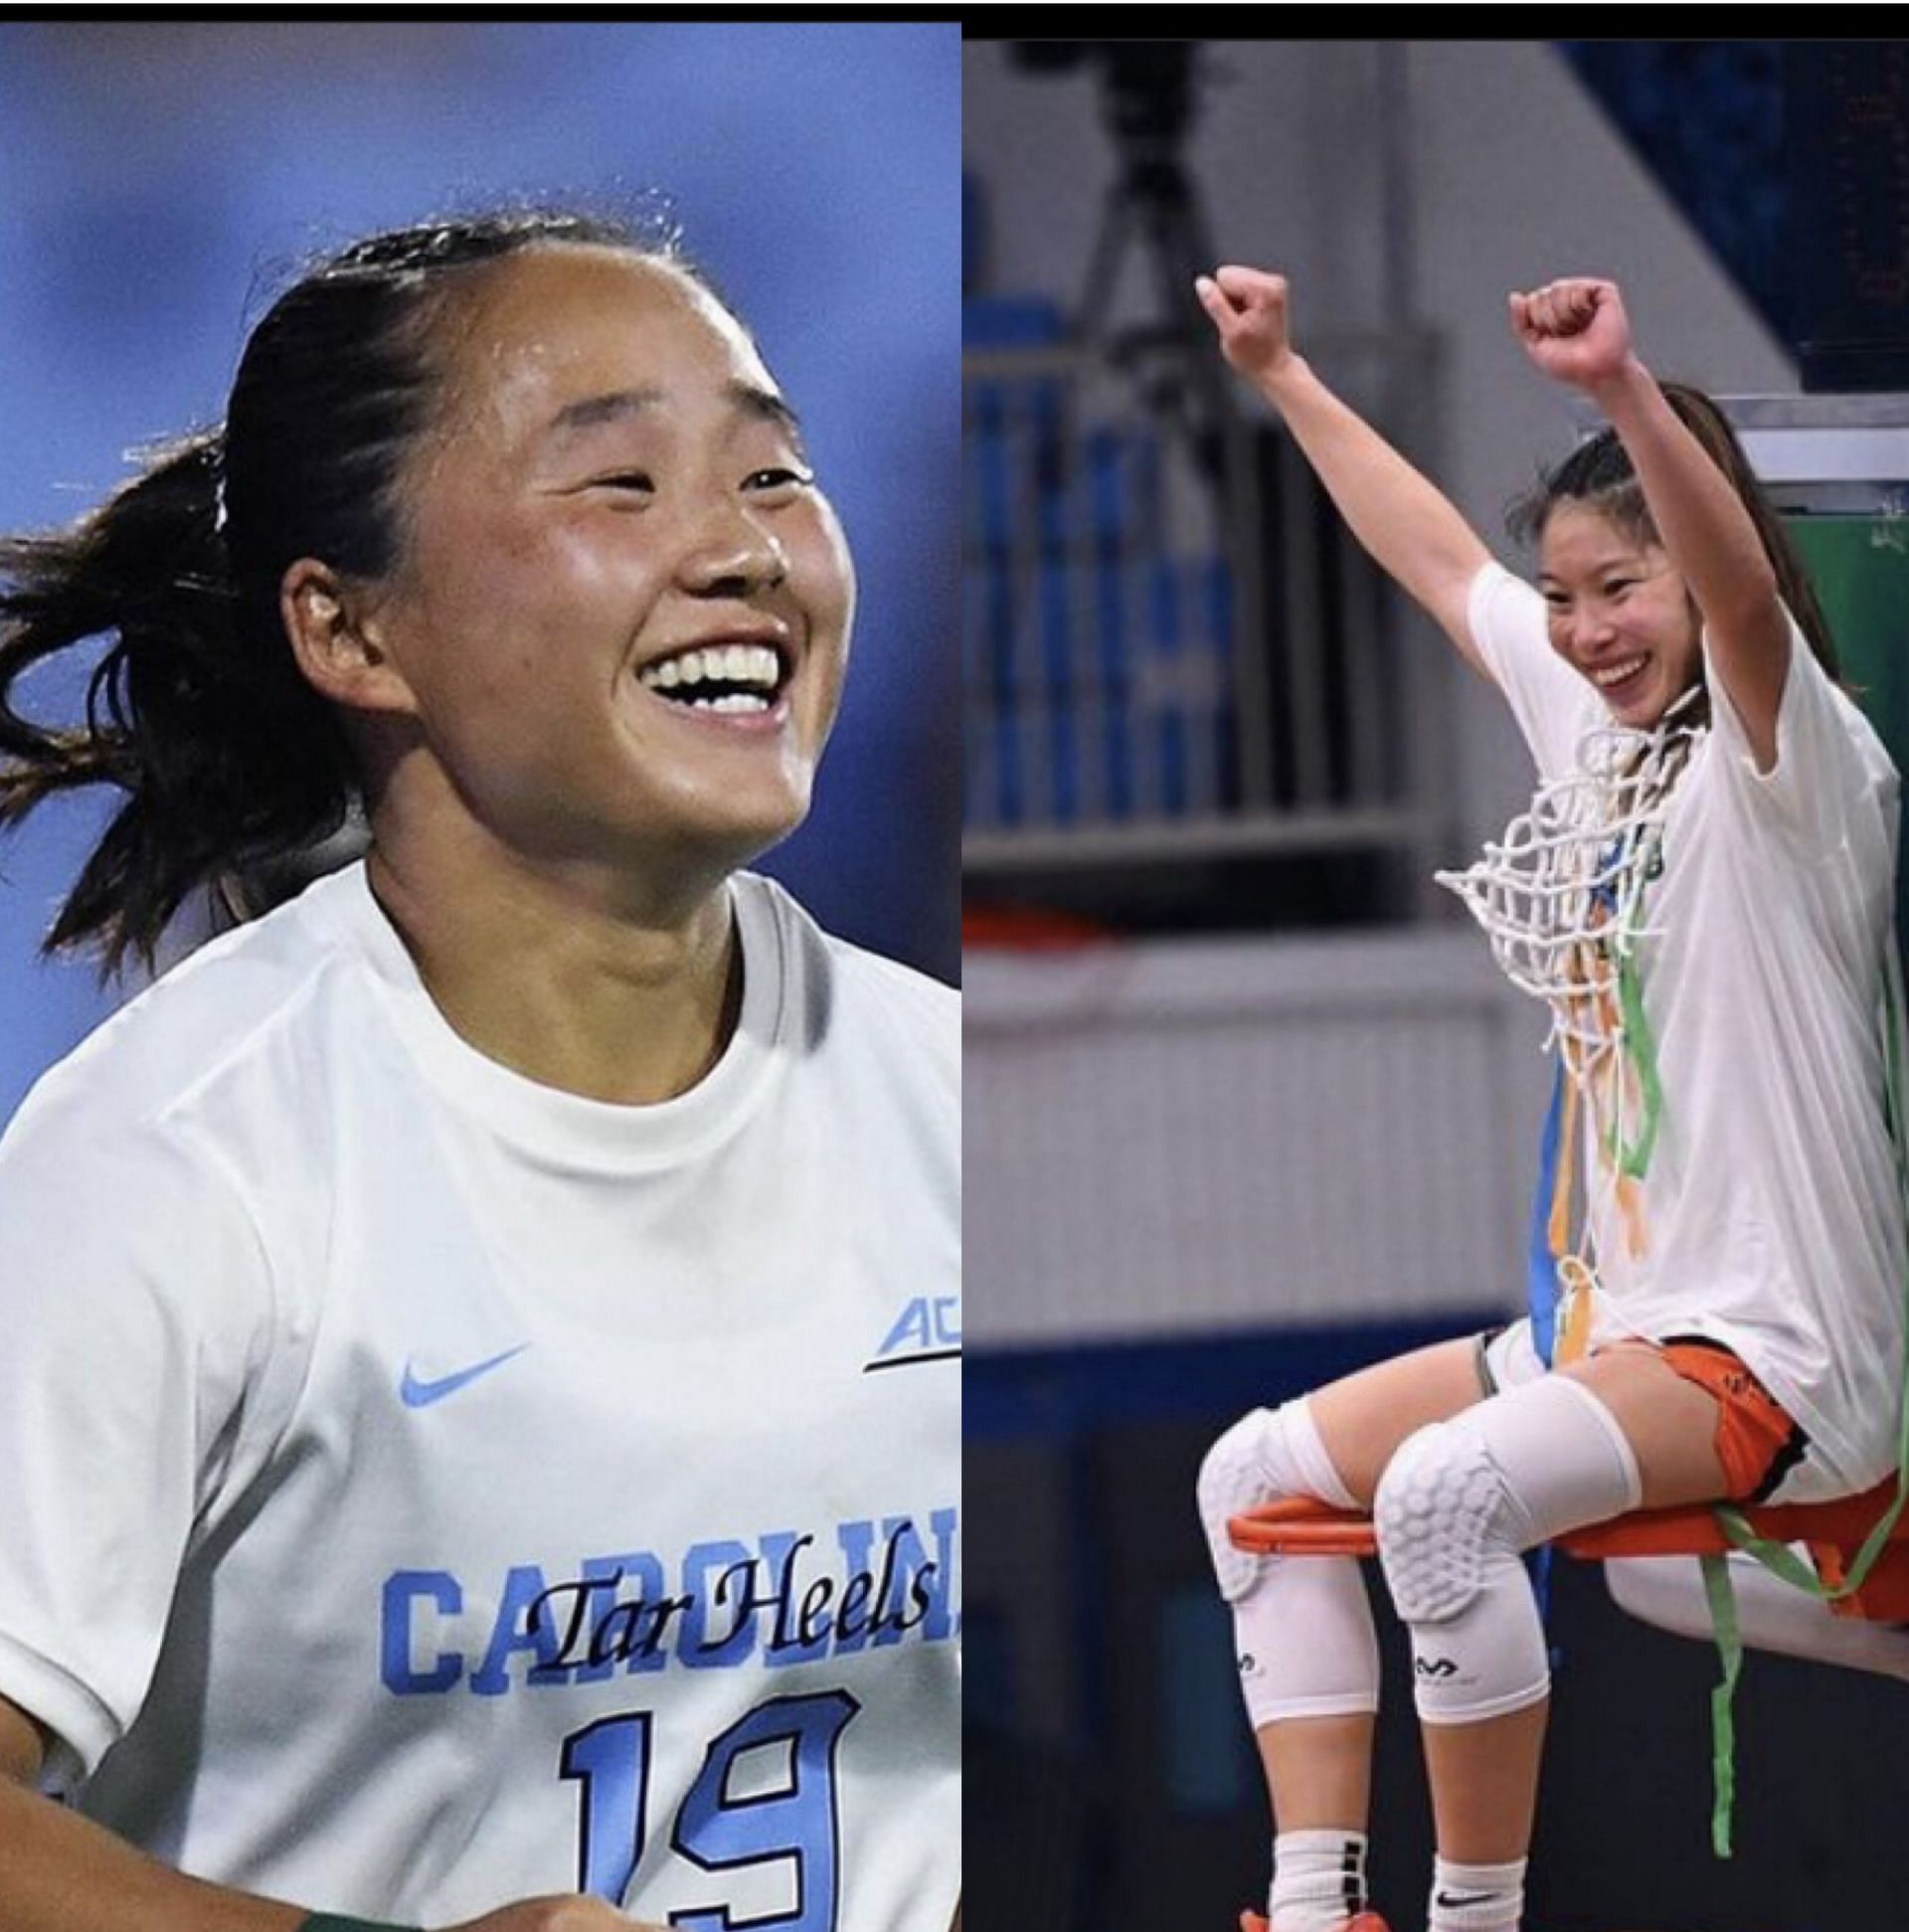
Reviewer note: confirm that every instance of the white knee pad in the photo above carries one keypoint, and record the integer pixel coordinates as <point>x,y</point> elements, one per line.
<point>1302,1628</point>
<point>1459,1503</point>
<point>1265,1455</point>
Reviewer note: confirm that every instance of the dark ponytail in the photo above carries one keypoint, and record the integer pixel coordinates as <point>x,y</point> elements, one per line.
<point>224,754</point>
<point>231,764</point>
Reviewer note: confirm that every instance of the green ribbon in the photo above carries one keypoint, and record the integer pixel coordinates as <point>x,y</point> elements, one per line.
<point>1641,1047</point>
<point>1722,1594</point>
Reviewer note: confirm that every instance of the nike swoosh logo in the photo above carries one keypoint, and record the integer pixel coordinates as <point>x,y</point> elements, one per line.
<point>1450,1901</point>
<point>421,1395</point>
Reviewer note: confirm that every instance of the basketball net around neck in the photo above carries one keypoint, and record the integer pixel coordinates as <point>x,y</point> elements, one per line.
<point>1561,897</point>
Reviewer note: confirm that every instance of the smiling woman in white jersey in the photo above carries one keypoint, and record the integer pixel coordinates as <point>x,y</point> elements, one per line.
<point>481,1387</point>
<point>1702,893</point>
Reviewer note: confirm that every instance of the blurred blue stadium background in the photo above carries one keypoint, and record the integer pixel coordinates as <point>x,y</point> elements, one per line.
<point>157,179</point>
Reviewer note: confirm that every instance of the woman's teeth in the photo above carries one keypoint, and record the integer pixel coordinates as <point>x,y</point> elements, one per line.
<point>718,677</point>
<point>1618,674</point>
<point>728,701</point>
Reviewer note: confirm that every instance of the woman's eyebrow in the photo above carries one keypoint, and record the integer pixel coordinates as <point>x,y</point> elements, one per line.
<point>613,405</point>
<point>586,412</point>
<point>752,400</point>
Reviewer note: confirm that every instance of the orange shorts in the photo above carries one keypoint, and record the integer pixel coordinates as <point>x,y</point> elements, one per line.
<point>1758,1442</point>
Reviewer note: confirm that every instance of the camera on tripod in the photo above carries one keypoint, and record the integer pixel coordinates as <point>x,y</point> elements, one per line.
<point>1152,219</point>
<point>1147,86</point>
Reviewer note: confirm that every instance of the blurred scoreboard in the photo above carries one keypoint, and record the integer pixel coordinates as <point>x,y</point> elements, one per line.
<point>1847,144</point>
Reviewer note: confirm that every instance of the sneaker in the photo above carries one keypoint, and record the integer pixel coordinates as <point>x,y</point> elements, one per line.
<point>1365,1922</point>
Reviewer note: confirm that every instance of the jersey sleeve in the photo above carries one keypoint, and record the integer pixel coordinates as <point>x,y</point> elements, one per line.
<point>1833,782</point>
<point>135,1307</point>
<point>1553,706</point>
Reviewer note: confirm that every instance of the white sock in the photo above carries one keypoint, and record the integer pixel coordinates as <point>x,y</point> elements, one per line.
<point>1318,1880</point>
<point>1475,1898</point>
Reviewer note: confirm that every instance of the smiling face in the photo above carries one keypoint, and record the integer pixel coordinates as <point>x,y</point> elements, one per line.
<point>622,616</point>
<point>1618,612</point>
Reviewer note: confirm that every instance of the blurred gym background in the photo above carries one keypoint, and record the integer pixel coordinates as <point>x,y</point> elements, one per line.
<point>156,180</point>
<point>1248,1106</point>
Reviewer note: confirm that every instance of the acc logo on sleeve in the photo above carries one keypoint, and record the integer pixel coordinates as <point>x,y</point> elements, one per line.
<point>928,1330</point>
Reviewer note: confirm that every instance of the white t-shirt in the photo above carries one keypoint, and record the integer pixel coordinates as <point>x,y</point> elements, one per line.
<point>421,1488</point>
<point>1771,1216</point>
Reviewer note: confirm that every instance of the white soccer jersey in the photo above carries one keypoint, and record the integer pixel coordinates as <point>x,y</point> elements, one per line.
<point>425,1488</point>
<point>1769,1217</point>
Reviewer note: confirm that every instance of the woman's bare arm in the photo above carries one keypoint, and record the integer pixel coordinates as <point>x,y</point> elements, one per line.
<point>61,1872</point>
<point>1409,526</point>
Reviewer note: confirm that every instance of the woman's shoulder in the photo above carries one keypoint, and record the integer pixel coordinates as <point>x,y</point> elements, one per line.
<point>872,989</point>
<point>1551,703</point>
<point>212,1013</point>
<point>1830,755</point>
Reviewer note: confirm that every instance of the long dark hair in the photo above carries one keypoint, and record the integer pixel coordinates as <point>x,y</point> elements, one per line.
<point>1598,475</point>
<point>229,762</point>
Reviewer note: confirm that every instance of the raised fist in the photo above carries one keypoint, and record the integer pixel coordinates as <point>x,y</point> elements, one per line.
<point>1247,307</point>
<point>1575,330</point>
